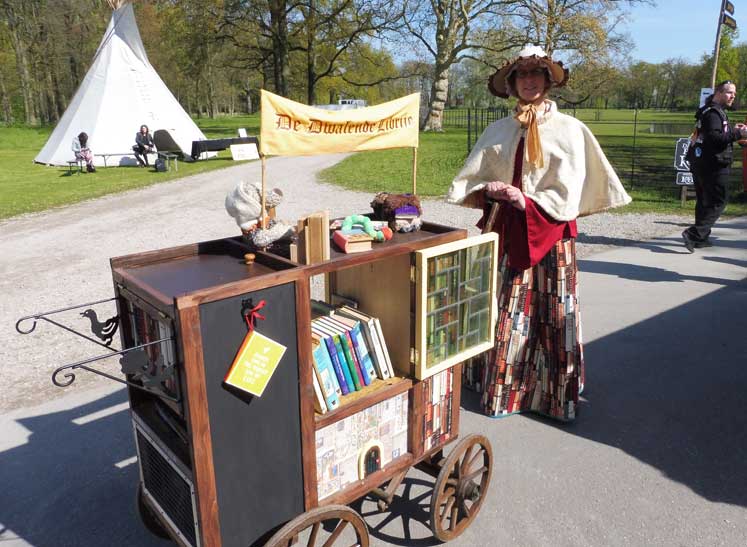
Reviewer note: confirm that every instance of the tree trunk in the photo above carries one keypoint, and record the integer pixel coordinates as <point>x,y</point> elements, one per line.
<point>310,56</point>
<point>22,66</point>
<point>281,65</point>
<point>7,110</point>
<point>439,94</point>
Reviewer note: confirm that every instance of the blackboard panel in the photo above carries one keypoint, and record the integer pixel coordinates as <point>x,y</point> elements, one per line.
<point>256,440</point>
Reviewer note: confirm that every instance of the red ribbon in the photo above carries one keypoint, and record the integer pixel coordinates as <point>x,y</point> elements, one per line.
<point>252,315</point>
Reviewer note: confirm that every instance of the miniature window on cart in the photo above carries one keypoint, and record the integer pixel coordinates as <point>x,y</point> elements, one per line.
<point>457,302</point>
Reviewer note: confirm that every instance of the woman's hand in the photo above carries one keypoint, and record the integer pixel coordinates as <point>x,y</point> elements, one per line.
<point>505,192</point>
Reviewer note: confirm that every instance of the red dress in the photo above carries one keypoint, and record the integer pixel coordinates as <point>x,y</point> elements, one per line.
<point>537,361</point>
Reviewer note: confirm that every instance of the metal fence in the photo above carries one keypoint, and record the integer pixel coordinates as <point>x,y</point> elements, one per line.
<point>642,152</point>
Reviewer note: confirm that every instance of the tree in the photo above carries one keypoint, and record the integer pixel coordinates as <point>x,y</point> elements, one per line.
<point>446,29</point>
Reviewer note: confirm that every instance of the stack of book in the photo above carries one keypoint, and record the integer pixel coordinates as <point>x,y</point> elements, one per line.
<point>438,397</point>
<point>349,354</point>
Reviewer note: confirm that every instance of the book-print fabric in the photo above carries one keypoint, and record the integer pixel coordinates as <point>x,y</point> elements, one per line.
<point>537,363</point>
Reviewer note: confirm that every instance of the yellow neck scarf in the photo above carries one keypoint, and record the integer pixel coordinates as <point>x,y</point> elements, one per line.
<point>526,115</point>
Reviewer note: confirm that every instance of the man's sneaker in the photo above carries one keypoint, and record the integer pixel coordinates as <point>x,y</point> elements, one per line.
<point>689,243</point>
<point>703,244</point>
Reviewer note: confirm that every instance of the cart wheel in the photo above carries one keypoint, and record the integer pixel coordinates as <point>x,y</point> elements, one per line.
<point>331,525</point>
<point>461,487</point>
<point>149,519</point>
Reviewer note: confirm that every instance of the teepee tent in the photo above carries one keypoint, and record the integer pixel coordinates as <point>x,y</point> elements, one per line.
<point>120,92</point>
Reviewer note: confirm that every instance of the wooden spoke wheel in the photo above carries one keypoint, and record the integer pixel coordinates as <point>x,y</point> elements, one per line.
<point>150,521</point>
<point>461,487</point>
<point>333,525</point>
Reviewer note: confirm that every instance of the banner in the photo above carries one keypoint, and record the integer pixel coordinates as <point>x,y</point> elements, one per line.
<point>289,128</point>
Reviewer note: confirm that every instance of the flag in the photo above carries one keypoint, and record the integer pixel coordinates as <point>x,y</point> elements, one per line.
<point>289,128</point>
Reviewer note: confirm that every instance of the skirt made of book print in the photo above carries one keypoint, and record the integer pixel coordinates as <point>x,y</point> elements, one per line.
<point>537,362</point>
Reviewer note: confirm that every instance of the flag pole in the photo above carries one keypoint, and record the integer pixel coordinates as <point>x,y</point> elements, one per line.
<point>414,170</point>
<point>718,44</point>
<point>262,211</point>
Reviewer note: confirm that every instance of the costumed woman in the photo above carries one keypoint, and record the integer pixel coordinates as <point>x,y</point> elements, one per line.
<point>82,152</point>
<point>544,169</point>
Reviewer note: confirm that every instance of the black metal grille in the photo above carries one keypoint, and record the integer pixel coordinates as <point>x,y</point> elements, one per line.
<point>169,489</point>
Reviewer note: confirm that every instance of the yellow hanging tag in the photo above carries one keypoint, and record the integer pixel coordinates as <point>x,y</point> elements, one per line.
<point>255,363</point>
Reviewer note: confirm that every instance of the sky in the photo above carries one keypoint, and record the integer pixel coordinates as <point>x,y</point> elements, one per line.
<point>678,28</point>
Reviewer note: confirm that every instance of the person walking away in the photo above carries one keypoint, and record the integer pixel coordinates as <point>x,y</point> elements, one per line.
<point>82,152</point>
<point>143,145</point>
<point>710,156</point>
<point>545,169</point>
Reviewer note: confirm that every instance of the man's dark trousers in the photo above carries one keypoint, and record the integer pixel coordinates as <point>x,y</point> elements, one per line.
<point>711,192</point>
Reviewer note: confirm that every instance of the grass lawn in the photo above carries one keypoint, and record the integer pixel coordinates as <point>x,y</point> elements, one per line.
<point>646,170</point>
<point>26,187</point>
<point>441,155</point>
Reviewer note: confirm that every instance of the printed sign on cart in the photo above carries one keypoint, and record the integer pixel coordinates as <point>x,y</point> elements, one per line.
<point>255,363</point>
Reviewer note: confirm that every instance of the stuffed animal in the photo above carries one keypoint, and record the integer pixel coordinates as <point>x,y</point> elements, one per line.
<point>401,211</point>
<point>244,204</point>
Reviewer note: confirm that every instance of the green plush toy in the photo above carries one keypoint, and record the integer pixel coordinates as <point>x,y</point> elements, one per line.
<point>385,234</point>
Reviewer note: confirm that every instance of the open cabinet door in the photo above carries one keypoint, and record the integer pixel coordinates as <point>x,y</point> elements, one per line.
<point>456,310</point>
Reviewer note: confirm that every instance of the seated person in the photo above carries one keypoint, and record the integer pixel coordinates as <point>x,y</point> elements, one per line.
<point>82,152</point>
<point>143,145</point>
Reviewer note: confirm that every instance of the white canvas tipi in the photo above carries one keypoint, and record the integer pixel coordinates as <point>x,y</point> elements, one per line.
<point>120,92</point>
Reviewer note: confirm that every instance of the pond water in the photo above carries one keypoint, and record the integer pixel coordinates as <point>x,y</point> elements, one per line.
<point>666,128</point>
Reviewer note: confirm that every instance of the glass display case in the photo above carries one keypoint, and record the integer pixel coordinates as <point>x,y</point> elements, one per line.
<point>455,302</point>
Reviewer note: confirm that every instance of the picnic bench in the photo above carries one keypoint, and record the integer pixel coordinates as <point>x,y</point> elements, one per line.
<point>107,155</point>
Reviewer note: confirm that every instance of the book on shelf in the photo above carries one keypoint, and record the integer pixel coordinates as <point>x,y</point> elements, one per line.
<point>319,405</point>
<point>352,241</point>
<point>327,377</point>
<point>360,345</point>
<point>338,300</point>
<point>320,308</point>
<point>347,348</point>
<point>341,369</point>
<point>350,376</point>
<point>379,354</point>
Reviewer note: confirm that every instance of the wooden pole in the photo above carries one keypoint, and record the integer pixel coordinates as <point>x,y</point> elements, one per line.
<point>717,47</point>
<point>262,212</point>
<point>414,170</point>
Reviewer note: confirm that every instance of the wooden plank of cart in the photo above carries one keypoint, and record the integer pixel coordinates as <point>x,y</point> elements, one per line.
<point>220,467</point>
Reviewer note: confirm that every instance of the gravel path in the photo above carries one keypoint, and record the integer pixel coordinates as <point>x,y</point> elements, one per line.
<point>60,258</point>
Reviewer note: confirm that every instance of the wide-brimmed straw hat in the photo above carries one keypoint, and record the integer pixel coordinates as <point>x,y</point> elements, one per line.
<point>498,82</point>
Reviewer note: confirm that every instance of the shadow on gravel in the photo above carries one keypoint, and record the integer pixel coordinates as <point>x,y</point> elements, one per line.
<point>671,394</point>
<point>62,488</point>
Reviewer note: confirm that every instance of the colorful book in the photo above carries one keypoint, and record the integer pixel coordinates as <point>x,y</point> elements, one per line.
<point>365,377</point>
<point>350,377</point>
<point>368,328</point>
<point>352,241</point>
<point>339,368</point>
<point>327,377</point>
<point>361,346</point>
<point>346,345</point>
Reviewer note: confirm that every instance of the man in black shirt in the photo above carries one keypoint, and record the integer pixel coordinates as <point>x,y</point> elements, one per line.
<point>710,161</point>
